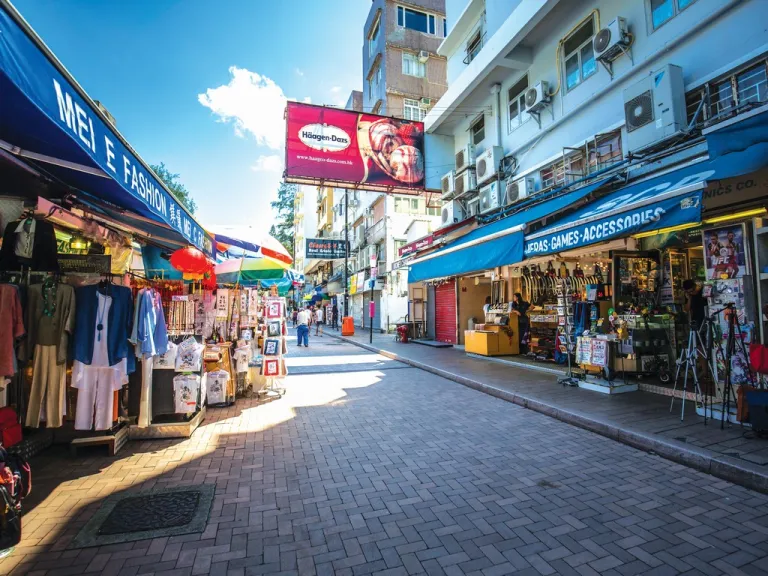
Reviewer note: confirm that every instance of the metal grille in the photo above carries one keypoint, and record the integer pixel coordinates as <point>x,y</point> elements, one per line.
<point>639,111</point>
<point>151,512</point>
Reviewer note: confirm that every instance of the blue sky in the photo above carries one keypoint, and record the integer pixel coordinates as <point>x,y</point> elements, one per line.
<point>201,84</point>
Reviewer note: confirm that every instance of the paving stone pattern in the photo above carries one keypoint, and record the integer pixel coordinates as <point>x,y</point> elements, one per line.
<point>398,471</point>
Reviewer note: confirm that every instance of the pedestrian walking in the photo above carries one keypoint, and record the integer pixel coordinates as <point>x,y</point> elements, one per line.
<point>295,316</point>
<point>303,319</point>
<point>335,316</point>
<point>319,321</point>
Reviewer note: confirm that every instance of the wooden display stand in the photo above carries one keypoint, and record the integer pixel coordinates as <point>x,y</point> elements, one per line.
<point>494,340</point>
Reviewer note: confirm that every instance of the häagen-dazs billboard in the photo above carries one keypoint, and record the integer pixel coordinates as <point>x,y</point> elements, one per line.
<point>346,149</point>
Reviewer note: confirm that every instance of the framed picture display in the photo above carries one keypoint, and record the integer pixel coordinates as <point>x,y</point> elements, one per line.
<point>270,367</point>
<point>274,309</point>
<point>274,328</point>
<point>725,252</point>
<point>272,347</point>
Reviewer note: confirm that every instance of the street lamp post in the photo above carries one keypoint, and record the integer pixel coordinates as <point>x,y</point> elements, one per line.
<point>346,253</point>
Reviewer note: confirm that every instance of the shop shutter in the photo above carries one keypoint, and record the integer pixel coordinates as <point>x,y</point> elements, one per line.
<point>445,312</point>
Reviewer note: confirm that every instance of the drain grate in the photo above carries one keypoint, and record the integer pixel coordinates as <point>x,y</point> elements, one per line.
<point>132,516</point>
<point>151,512</point>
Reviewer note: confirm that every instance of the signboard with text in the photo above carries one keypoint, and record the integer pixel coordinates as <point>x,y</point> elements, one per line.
<point>325,248</point>
<point>346,148</point>
<point>419,244</point>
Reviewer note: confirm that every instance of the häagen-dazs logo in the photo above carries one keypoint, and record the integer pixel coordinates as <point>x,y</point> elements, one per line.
<point>324,137</point>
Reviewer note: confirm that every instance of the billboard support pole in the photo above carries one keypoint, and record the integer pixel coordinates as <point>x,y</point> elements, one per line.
<point>346,253</point>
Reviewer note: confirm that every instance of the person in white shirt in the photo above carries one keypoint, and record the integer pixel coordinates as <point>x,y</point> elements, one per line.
<point>319,321</point>
<point>302,330</point>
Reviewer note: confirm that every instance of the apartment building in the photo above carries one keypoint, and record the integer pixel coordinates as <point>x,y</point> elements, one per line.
<point>549,97</point>
<point>527,84</point>
<point>304,226</point>
<point>403,74</point>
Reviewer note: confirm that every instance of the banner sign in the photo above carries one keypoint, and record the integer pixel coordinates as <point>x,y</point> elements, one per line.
<point>85,263</point>
<point>402,263</point>
<point>419,244</point>
<point>71,129</point>
<point>684,209</point>
<point>328,146</point>
<point>325,249</point>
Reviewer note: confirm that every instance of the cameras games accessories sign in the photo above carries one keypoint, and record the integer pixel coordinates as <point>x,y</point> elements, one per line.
<point>325,249</point>
<point>345,148</point>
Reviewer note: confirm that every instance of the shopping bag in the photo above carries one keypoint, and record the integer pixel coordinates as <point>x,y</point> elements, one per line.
<point>758,357</point>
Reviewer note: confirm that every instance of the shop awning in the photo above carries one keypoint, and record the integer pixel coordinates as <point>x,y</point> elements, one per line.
<point>738,134</point>
<point>49,120</point>
<point>497,244</point>
<point>673,199</point>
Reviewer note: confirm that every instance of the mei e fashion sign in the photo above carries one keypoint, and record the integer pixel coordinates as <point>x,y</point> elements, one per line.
<point>324,249</point>
<point>345,148</point>
<point>73,128</point>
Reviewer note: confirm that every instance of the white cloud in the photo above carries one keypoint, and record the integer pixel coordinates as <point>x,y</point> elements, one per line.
<point>335,89</point>
<point>299,72</point>
<point>253,103</point>
<point>270,163</point>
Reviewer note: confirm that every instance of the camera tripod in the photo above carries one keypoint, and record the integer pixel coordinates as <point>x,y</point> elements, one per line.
<point>688,362</point>
<point>734,331</point>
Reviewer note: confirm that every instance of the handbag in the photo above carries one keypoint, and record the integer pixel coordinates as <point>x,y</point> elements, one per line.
<point>758,357</point>
<point>10,429</point>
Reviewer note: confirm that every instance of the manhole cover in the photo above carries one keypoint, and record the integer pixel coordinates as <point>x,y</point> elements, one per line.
<point>151,512</point>
<point>132,516</point>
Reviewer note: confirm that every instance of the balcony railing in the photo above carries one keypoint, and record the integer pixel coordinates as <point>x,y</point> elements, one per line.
<point>377,232</point>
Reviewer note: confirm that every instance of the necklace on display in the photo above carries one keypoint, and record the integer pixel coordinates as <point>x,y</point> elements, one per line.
<point>100,310</point>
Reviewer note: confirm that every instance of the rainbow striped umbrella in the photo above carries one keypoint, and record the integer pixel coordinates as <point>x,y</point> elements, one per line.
<point>250,271</point>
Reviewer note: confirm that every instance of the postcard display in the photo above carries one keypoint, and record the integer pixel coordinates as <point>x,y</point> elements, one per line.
<point>271,358</point>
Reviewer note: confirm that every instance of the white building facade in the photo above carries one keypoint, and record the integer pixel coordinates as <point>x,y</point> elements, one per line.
<point>498,50</point>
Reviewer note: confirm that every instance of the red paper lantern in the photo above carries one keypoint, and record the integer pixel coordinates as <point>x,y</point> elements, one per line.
<point>209,280</point>
<point>190,260</point>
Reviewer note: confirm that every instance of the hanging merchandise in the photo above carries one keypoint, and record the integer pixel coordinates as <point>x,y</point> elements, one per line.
<point>11,327</point>
<point>216,385</point>
<point>50,320</point>
<point>29,243</point>
<point>186,390</point>
<point>104,312</point>
<point>189,356</point>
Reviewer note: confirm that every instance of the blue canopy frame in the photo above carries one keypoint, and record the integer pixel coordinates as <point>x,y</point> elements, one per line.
<point>48,118</point>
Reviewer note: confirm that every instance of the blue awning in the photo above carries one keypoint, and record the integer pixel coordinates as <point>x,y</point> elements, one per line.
<point>673,199</point>
<point>49,120</point>
<point>738,134</point>
<point>497,244</point>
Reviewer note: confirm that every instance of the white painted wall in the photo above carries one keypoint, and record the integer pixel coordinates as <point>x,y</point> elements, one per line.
<point>703,51</point>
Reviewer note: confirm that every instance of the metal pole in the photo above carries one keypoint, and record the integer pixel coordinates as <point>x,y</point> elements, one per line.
<point>371,309</point>
<point>346,253</point>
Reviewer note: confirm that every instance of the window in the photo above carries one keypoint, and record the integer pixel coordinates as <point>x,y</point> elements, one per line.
<point>445,28</point>
<point>373,37</point>
<point>477,130</point>
<point>374,80</point>
<point>407,205</point>
<point>377,107</point>
<point>727,95</point>
<point>412,110</point>
<point>434,211</point>
<point>604,150</point>
<point>664,10</point>
<point>569,169</point>
<point>474,46</point>
<point>579,57</point>
<point>412,66</point>
<point>516,103</point>
<point>399,244</point>
<point>419,21</point>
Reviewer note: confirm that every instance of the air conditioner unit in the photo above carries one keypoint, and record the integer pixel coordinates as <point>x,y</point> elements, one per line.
<point>537,98</point>
<point>447,185</point>
<point>609,43</point>
<point>487,163</point>
<point>489,198</point>
<point>473,207</point>
<point>452,213</point>
<point>425,102</point>
<point>423,56</point>
<point>465,182</point>
<point>465,158</point>
<point>654,108</point>
<point>516,190</point>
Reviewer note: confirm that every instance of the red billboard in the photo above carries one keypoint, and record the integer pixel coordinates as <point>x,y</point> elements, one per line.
<point>343,148</point>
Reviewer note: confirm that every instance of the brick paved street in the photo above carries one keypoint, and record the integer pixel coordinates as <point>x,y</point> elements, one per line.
<point>379,468</point>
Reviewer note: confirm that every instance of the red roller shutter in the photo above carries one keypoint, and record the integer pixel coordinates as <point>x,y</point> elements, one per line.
<point>445,312</point>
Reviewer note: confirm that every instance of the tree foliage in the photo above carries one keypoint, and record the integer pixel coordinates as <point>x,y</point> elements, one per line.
<point>282,229</point>
<point>178,189</point>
